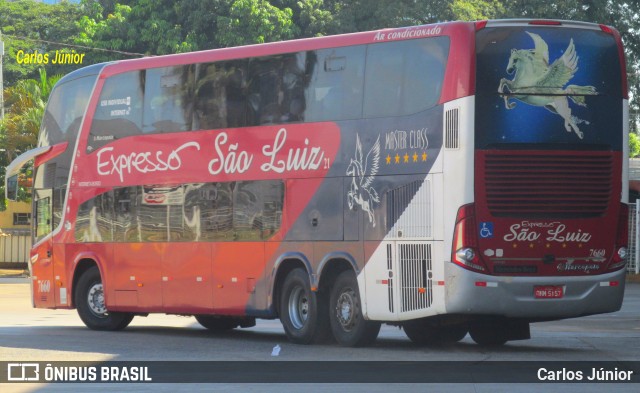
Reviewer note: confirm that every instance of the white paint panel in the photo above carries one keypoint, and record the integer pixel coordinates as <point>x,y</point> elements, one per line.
<point>448,186</point>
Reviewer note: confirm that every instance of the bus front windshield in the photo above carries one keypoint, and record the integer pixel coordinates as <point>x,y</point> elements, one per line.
<point>66,107</point>
<point>63,116</point>
<point>553,86</point>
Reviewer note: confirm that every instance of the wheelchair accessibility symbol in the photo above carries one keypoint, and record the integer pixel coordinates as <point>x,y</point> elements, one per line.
<point>486,230</point>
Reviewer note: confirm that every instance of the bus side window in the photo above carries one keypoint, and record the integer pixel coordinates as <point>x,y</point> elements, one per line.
<point>276,88</point>
<point>294,80</point>
<point>404,77</point>
<point>335,84</point>
<point>168,99</point>
<point>119,111</point>
<point>219,97</point>
<point>265,90</point>
<point>126,225</point>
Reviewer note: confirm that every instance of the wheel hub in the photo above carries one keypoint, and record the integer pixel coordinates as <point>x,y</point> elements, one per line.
<point>347,310</point>
<point>95,300</point>
<point>298,308</point>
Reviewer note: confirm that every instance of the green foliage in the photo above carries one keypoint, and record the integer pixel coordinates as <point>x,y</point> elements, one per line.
<point>255,22</point>
<point>621,14</point>
<point>476,9</point>
<point>312,18</point>
<point>25,101</point>
<point>363,15</point>
<point>634,145</point>
<point>143,26</point>
<point>38,21</point>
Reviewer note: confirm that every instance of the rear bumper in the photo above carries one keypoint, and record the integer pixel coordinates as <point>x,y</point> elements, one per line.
<point>513,296</point>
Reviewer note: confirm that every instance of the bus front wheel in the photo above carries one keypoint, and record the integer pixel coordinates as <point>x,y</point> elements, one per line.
<point>348,325</point>
<point>90,303</point>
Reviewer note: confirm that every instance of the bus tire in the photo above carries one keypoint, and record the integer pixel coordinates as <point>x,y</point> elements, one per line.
<point>303,313</point>
<point>454,333</point>
<point>488,333</point>
<point>421,332</point>
<point>222,324</point>
<point>89,299</point>
<point>424,332</point>
<point>348,325</point>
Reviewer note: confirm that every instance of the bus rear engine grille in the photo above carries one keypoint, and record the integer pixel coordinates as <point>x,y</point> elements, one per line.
<point>554,186</point>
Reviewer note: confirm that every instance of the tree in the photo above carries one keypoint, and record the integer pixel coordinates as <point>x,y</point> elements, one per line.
<point>142,27</point>
<point>621,14</point>
<point>254,22</point>
<point>476,9</point>
<point>150,27</point>
<point>26,101</point>
<point>37,22</point>
<point>312,18</point>
<point>634,145</point>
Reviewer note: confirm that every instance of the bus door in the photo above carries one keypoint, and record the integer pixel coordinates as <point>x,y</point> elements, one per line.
<point>42,254</point>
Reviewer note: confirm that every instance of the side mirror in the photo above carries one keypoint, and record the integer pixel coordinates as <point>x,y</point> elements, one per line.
<point>11,189</point>
<point>13,170</point>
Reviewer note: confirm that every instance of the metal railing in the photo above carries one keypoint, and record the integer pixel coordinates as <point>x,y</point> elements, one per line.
<point>14,247</point>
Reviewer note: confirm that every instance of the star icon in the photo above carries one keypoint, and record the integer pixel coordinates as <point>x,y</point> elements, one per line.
<point>415,157</point>
<point>388,159</point>
<point>406,157</point>
<point>424,156</point>
<point>397,159</point>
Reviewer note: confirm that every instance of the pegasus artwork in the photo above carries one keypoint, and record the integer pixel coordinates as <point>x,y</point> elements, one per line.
<point>362,171</point>
<point>539,84</point>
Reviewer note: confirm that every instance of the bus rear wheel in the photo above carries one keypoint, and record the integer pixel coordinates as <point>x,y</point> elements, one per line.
<point>348,325</point>
<point>303,313</point>
<point>454,333</point>
<point>488,332</point>
<point>90,303</point>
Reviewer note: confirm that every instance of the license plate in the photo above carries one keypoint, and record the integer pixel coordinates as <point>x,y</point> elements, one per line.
<point>548,291</point>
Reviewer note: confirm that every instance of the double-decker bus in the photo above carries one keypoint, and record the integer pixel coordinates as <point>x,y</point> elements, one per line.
<point>451,178</point>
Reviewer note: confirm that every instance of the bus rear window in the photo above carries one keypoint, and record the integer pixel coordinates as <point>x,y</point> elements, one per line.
<point>547,85</point>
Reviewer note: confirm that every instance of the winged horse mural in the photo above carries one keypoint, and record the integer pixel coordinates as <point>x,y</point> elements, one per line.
<point>537,83</point>
<point>362,171</point>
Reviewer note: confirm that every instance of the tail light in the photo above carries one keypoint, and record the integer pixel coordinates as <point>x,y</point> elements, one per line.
<point>543,22</point>
<point>481,24</point>
<point>620,251</point>
<point>465,243</point>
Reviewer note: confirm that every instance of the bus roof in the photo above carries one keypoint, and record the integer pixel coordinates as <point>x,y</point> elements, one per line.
<point>280,47</point>
<point>93,69</point>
